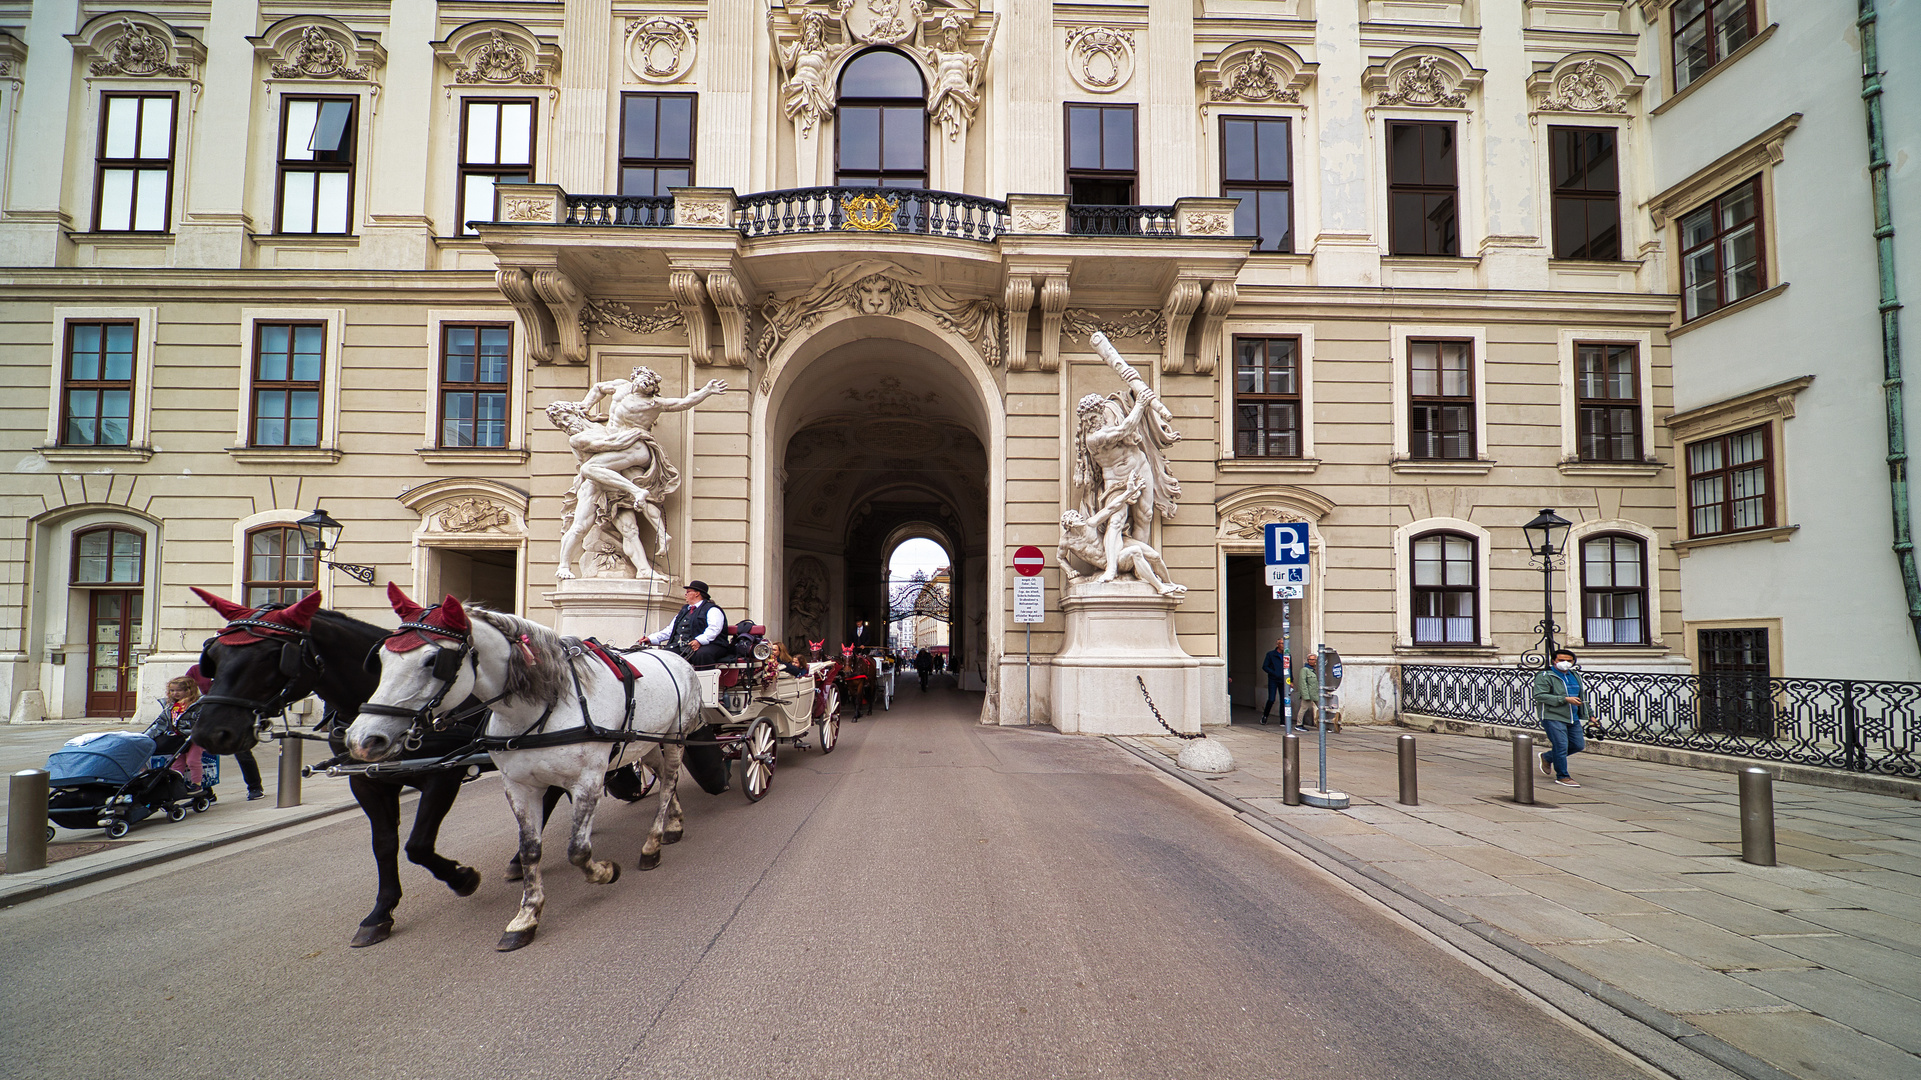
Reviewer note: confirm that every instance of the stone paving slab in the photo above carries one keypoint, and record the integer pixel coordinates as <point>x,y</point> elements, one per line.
<point>1635,879</point>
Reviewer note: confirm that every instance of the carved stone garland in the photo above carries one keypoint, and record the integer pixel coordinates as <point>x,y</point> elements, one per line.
<point>1426,83</point>
<point>1255,80</point>
<point>1143,323</point>
<point>316,55</point>
<point>601,314</point>
<point>138,51</point>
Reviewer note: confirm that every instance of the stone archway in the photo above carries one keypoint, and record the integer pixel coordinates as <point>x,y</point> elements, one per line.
<point>869,425</point>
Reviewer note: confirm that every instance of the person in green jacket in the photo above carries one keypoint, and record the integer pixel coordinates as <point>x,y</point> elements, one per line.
<point>1563,702</point>
<point>1307,704</point>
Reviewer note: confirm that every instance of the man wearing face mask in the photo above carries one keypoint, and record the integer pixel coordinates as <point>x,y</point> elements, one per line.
<point>1564,708</point>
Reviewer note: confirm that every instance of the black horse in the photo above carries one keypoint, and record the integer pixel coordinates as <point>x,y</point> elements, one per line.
<point>269,657</point>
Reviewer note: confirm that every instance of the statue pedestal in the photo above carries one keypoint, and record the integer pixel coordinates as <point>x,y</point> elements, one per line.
<point>618,611</point>
<point>1119,630</point>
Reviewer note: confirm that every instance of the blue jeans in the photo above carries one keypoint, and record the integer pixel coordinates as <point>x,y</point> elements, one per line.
<point>1566,738</point>
<point>1273,691</point>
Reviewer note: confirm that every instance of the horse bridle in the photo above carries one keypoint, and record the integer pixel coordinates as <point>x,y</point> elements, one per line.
<point>296,653</point>
<point>446,668</point>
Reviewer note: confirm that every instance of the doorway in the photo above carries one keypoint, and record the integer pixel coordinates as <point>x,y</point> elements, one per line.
<point>113,632</point>
<point>485,576</point>
<point>1255,621</point>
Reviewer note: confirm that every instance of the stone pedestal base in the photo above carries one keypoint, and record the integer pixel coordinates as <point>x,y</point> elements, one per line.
<point>618,611</point>
<point>1116,632</point>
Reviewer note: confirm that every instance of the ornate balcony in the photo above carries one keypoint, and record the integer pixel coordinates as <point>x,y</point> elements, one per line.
<point>871,210</point>
<point>1086,220</point>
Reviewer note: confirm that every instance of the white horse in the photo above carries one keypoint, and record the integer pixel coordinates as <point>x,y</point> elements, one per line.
<point>537,689</point>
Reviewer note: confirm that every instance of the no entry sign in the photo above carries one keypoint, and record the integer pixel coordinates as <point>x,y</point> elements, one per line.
<point>1028,561</point>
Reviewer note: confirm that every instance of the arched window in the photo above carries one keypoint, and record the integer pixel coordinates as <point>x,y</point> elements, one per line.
<point>880,128</point>
<point>281,567</point>
<point>1446,590</point>
<point>1614,591</point>
<point>108,556</point>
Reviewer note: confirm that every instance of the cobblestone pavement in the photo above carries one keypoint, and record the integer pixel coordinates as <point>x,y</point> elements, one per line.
<point>1635,881</point>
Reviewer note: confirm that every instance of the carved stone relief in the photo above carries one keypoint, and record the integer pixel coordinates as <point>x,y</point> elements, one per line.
<point>1255,79</point>
<point>1426,82</point>
<point>807,596</point>
<point>138,51</point>
<point>315,54</point>
<point>526,209</point>
<point>472,514</point>
<point>500,62</point>
<point>880,288</point>
<point>1143,323</point>
<point>1586,89</point>
<point>602,315</point>
<point>1100,59</point>
<point>661,48</point>
<point>890,398</point>
<point>1251,522</point>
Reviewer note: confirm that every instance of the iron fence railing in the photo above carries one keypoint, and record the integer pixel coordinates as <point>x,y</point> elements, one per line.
<point>871,209</point>
<point>634,211</point>
<point>1857,725</point>
<point>1087,220</point>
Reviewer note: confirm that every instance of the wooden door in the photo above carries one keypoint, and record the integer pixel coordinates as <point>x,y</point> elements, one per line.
<point>113,633</point>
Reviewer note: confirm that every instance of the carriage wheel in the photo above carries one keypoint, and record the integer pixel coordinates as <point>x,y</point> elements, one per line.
<point>117,829</point>
<point>757,753</point>
<point>49,832</point>
<point>829,732</point>
<point>176,812</point>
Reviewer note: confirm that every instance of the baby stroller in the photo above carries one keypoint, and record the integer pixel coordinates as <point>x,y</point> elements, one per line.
<point>109,780</point>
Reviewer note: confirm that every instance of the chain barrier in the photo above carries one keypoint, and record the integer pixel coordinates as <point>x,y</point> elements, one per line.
<point>1157,715</point>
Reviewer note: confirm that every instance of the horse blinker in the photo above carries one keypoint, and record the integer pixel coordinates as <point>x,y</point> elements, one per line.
<point>446,664</point>
<point>289,659</point>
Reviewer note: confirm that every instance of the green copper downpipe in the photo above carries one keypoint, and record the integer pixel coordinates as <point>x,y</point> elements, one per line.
<point>1890,310</point>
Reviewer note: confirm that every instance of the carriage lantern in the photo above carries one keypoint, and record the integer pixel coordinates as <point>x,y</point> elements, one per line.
<point>327,532</point>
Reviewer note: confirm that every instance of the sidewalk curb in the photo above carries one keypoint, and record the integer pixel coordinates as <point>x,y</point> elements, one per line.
<point>1650,1034</point>
<point>1787,772</point>
<point>12,894</point>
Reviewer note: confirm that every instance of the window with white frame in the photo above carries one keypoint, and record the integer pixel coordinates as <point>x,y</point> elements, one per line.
<point>315,182</point>
<point>496,147</point>
<point>1614,590</point>
<point>1705,32</point>
<point>476,375</point>
<point>1607,401</point>
<point>1441,404</point>
<point>289,359</point>
<point>1445,590</point>
<point>133,188</point>
<point>282,565</point>
<point>97,384</point>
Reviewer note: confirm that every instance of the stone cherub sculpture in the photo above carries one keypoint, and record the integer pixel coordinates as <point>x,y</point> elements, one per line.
<point>623,473</point>
<point>1125,482</point>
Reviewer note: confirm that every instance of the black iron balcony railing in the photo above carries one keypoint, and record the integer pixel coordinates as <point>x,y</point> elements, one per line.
<point>1087,220</point>
<point>636,211</point>
<point>871,209</point>
<point>1857,725</point>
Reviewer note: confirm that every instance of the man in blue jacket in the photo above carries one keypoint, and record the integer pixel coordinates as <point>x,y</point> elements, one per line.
<point>1275,665</point>
<point>1563,702</point>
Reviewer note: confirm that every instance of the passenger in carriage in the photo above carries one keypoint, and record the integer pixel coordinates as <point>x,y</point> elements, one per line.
<point>698,628</point>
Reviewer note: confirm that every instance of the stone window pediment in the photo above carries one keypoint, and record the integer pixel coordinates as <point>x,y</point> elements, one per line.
<point>132,44</point>
<point>317,48</point>
<point>1423,77</point>
<point>1589,83</point>
<point>1253,73</point>
<point>492,53</point>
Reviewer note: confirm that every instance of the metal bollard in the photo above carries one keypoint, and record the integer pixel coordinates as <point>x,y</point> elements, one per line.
<point>1757,817</point>
<point>27,821</point>
<point>288,792</point>
<point>1291,770</point>
<point>1524,765</point>
<point>1410,786</point>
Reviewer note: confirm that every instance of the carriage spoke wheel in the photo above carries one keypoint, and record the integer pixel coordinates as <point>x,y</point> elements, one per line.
<point>757,753</point>
<point>829,732</point>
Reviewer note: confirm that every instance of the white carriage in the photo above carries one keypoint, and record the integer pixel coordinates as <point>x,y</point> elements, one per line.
<point>753,707</point>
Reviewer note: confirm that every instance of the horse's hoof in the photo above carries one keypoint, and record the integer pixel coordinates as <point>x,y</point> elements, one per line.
<point>514,872</point>
<point>648,862</point>
<point>371,935</point>
<point>516,939</point>
<point>672,836</point>
<point>613,872</point>
<point>465,880</point>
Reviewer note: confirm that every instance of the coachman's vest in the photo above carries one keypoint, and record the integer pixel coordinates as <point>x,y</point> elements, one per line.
<point>692,622</point>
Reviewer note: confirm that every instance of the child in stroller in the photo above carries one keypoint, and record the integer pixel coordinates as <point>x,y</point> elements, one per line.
<point>104,780</point>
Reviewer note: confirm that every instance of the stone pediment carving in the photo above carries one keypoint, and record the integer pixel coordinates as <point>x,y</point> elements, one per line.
<point>1254,72</point>
<point>1245,515</point>
<point>661,48</point>
<point>1143,323</point>
<point>471,511</point>
<point>317,47</point>
<point>496,53</point>
<point>1585,83</point>
<point>601,316</point>
<point>1100,59</point>
<point>880,288</point>
<point>136,45</point>
<point>949,41</point>
<point>1424,76</point>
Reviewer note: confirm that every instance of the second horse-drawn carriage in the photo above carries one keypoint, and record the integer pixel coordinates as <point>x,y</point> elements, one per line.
<point>753,706</point>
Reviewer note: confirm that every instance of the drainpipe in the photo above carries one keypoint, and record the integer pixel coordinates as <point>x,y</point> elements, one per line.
<point>1890,310</point>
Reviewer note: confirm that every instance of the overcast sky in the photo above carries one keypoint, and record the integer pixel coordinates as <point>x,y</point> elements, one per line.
<point>917,554</point>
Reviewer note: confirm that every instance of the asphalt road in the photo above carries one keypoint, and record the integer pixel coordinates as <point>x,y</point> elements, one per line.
<point>934,899</point>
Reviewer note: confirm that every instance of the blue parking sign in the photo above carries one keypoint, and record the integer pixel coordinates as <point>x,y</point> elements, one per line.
<point>1287,544</point>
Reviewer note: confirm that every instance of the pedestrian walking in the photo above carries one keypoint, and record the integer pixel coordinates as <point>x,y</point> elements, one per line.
<point>1562,699</point>
<point>1307,680</point>
<point>1275,665</point>
<point>924,666</point>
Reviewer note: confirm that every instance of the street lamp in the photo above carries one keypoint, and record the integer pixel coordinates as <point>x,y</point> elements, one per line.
<point>1545,536</point>
<point>328,531</point>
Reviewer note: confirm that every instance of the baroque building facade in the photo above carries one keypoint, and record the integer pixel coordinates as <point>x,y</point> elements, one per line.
<point>1388,266</point>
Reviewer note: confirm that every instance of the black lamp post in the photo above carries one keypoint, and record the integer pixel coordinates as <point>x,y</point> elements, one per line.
<point>1545,536</point>
<point>328,531</point>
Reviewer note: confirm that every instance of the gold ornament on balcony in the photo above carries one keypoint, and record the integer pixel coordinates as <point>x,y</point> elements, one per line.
<point>870,213</point>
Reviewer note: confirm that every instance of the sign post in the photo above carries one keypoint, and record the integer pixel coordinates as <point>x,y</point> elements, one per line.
<point>1286,549</point>
<point>1030,606</point>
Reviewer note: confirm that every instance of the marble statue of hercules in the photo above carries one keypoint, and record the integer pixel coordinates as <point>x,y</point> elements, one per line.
<point>1117,451</point>
<point>621,447</point>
